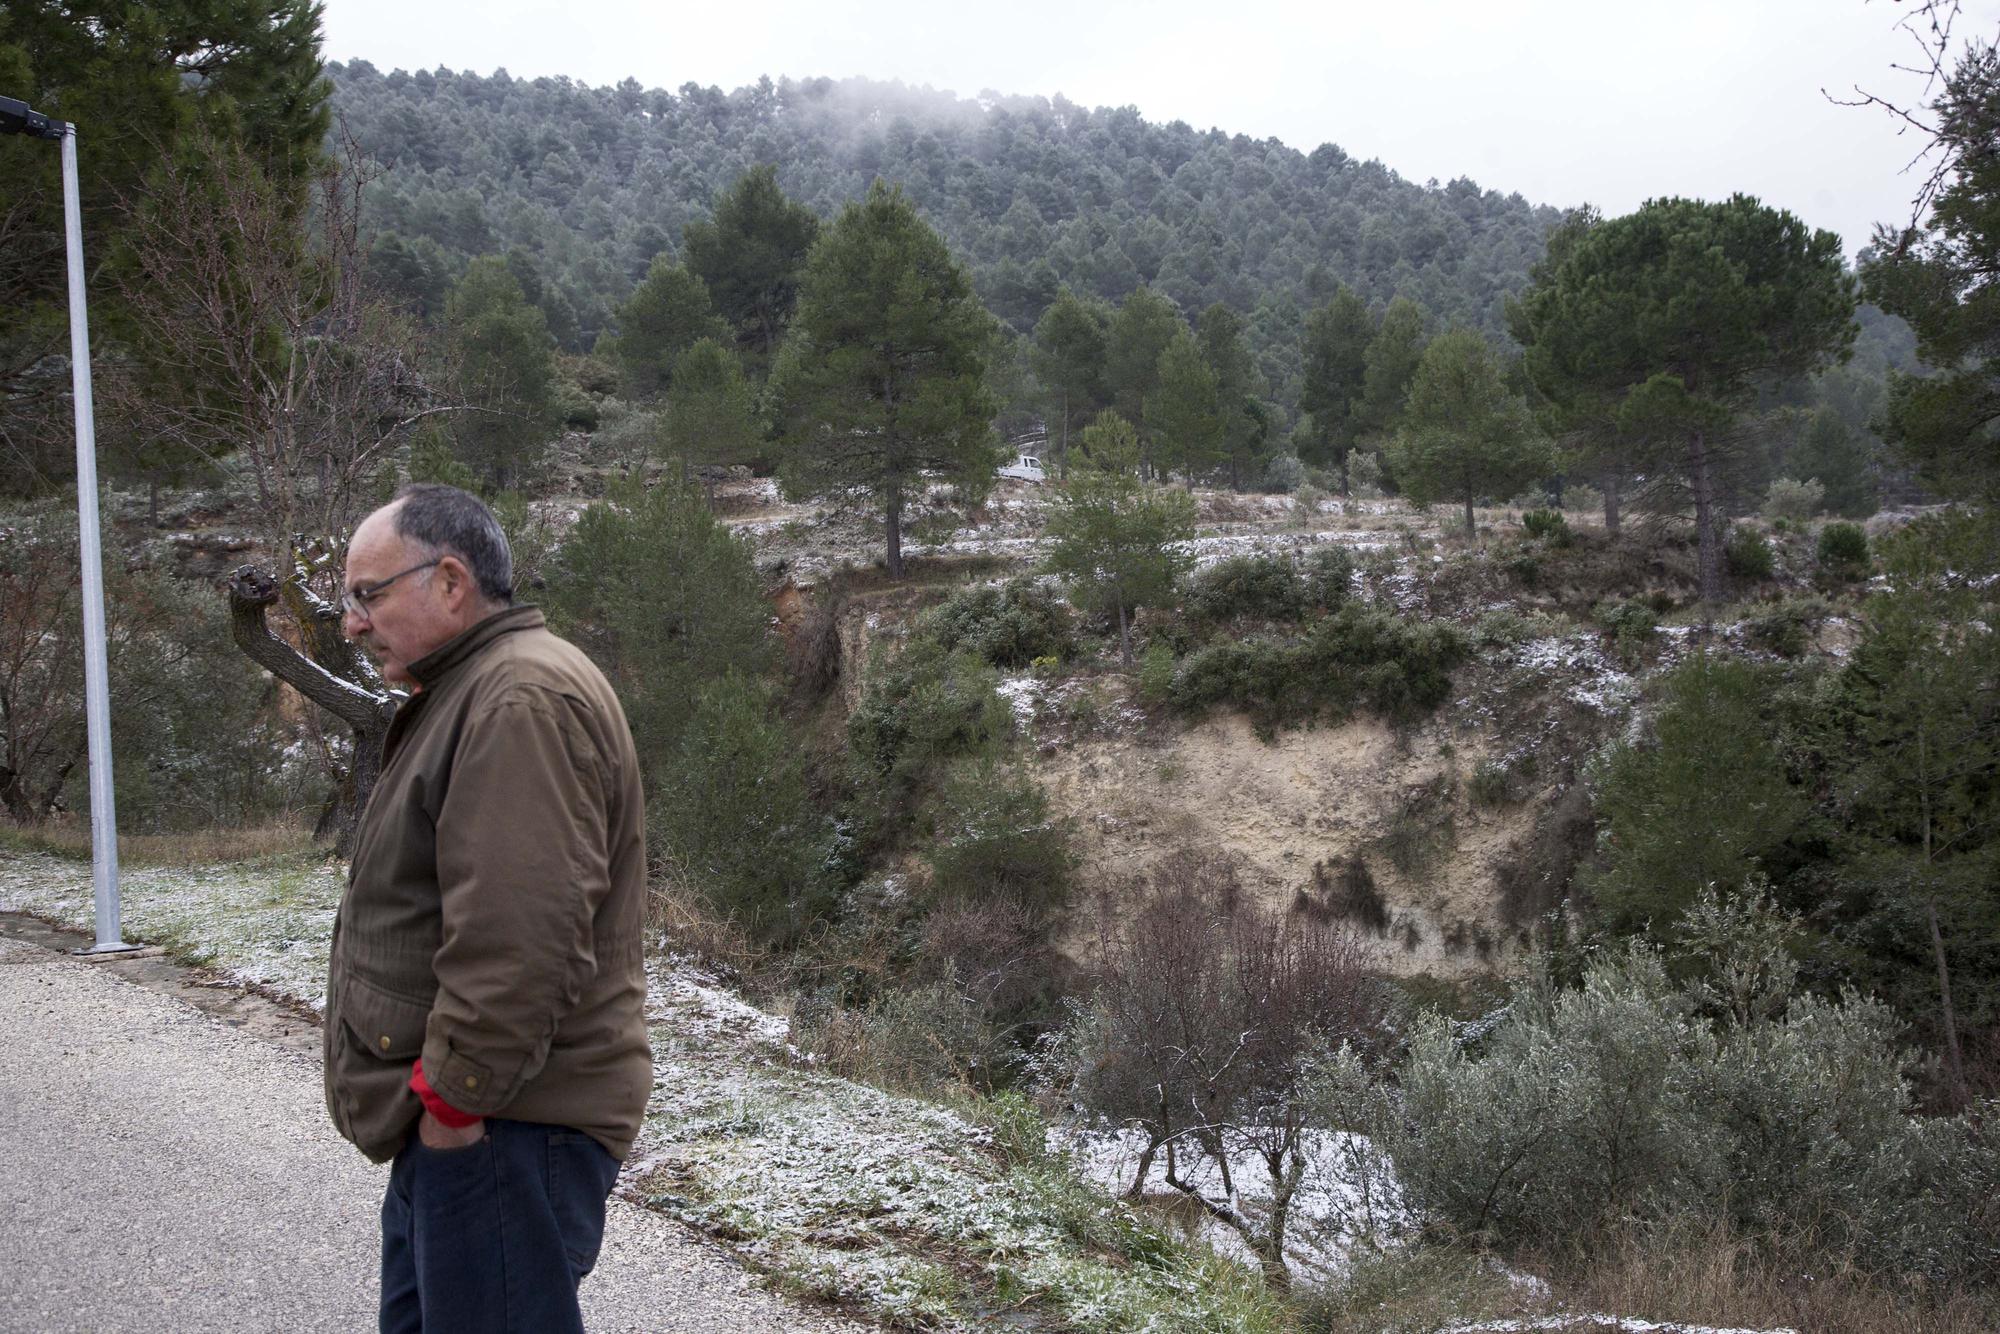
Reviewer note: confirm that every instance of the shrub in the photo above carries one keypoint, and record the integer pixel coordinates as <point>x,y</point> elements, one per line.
<point>1843,550</point>
<point>1748,555</point>
<point>1246,587</point>
<point>1793,501</point>
<point>1329,577</point>
<point>1353,659</point>
<point>1548,526</point>
<point>1009,626</point>
<point>733,810</point>
<point>1632,625</point>
<point>1347,891</point>
<point>1284,473</point>
<point>1787,628</point>
<point>995,839</point>
<point>1643,1101</point>
<point>925,1040</point>
<point>1490,784</point>
<point>1156,673</point>
<point>927,706</point>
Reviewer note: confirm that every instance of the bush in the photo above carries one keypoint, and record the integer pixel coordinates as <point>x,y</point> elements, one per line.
<point>926,1040</point>
<point>1793,501</point>
<point>1008,626</point>
<point>995,839</point>
<point>1156,673</point>
<point>1642,1101</point>
<point>1329,577</point>
<point>1748,555</point>
<point>1264,588</point>
<point>1843,550</point>
<point>1548,526</point>
<point>1632,625</point>
<point>927,706</point>
<point>1787,629</point>
<point>1284,473</point>
<point>733,810</point>
<point>1355,658</point>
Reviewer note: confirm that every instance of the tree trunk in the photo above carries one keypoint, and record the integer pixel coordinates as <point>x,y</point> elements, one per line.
<point>1708,548</point>
<point>1954,1059</point>
<point>895,525</point>
<point>1471,525</point>
<point>1345,492</point>
<point>1611,502</point>
<point>1124,635</point>
<point>367,712</point>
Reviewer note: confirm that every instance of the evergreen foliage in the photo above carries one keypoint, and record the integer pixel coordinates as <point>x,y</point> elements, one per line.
<point>143,84</point>
<point>883,378</point>
<point>664,599</point>
<point>1940,280</point>
<point>666,315</point>
<point>1033,194</point>
<point>1115,542</point>
<point>1700,804</point>
<point>506,358</point>
<point>1008,625</point>
<point>1670,318</point>
<point>710,415</point>
<point>1464,433</point>
<point>749,256</point>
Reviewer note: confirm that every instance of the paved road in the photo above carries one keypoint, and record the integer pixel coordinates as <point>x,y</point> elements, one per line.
<point>161,1170</point>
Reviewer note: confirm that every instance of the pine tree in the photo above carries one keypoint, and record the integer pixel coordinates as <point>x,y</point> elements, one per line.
<point>1140,332</point>
<point>1464,433</point>
<point>1336,364</point>
<point>1115,541</point>
<point>665,315</point>
<point>1673,315</point>
<point>709,417</point>
<point>1184,414</point>
<point>883,378</point>
<point>508,365</point>
<point>1069,359</point>
<point>1388,364</point>
<point>1245,431</point>
<point>750,256</point>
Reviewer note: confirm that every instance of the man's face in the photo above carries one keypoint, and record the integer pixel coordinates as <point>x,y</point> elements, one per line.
<point>404,621</point>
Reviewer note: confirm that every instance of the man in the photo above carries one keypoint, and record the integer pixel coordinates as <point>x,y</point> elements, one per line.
<point>485,1024</point>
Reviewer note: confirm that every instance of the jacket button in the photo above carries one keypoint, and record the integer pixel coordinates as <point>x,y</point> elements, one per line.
<point>471,1083</point>
<point>385,1042</point>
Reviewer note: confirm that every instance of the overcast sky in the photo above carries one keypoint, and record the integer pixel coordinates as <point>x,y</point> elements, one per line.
<point>1565,101</point>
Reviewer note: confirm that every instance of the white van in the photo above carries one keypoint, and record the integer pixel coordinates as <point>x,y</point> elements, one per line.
<point>1025,467</point>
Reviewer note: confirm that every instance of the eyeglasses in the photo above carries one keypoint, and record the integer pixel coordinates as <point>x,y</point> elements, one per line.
<point>357,601</point>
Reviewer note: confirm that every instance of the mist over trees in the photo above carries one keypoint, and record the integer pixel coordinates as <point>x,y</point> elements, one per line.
<point>1031,194</point>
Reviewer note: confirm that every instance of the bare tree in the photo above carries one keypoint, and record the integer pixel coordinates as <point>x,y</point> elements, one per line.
<point>263,339</point>
<point>1204,1011</point>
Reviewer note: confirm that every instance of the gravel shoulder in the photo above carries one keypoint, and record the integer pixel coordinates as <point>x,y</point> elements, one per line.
<point>169,1165</point>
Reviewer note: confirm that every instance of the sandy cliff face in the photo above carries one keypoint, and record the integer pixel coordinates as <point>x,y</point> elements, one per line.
<point>1308,801</point>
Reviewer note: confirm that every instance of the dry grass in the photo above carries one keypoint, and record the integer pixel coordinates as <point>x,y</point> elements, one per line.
<point>1710,1276</point>
<point>685,922</point>
<point>199,847</point>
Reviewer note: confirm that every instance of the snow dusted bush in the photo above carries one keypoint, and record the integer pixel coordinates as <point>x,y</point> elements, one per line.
<point>1793,500</point>
<point>1261,587</point>
<point>1730,1097</point>
<point>1008,626</point>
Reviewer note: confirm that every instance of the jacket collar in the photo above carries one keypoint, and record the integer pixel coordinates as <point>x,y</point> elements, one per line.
<point>434,666</point>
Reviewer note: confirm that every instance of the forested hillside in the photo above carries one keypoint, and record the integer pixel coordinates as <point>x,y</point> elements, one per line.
<point>1031,194</point>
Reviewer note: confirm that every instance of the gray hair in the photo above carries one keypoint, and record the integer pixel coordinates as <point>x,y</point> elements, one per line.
<point>451,522</point>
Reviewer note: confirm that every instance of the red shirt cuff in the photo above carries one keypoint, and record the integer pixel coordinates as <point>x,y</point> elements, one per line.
<point>445,1113</point>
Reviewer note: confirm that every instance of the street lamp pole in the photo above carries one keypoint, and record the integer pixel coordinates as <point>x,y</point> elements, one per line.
<point>18,118</point>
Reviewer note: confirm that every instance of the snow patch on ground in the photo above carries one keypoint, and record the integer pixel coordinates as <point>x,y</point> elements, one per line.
<point>1346,1194</point>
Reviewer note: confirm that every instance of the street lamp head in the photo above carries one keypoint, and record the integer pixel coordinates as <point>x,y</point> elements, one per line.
<point>17,117</point>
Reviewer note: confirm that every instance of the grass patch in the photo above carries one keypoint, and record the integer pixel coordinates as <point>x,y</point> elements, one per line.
<point>199,847</point>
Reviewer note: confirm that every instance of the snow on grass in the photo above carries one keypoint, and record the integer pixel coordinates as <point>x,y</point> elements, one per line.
<point>266,923</point>
<point>1346,1193</point>
<point>897,1206</point>
<point>1594,1321</point>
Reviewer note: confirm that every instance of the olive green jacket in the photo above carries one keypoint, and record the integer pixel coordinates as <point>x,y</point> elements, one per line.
<point>494,914</point>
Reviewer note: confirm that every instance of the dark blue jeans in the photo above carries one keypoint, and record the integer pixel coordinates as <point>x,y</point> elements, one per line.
<point>495,1236</point>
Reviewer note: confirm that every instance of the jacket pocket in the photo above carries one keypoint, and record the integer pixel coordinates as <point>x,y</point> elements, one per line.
<point>387,1026</point>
